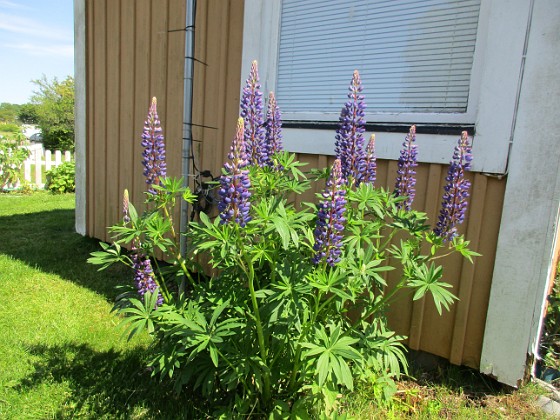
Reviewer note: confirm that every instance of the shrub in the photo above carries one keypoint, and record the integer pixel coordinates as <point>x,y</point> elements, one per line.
<point>62,179</point>
<point>10,128</point>
<point>12,157</point>
<point>54,112</point>
<point>294,312</point>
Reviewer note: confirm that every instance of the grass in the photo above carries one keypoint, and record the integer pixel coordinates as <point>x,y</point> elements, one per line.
<point>451,392</point>
<point>62,356</point>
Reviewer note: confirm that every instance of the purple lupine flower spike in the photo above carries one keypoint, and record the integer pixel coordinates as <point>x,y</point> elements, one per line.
<point>235,184</point>
<point>406,180</point>
<point>144,275</point>
<point>273,127</point>
<point>330,219</point>
<point>456,191</point>
<point>370,162</point>
<point>252,114</point>
<point>125,203</point>
<point>349,144</point>
<point>154,149</point>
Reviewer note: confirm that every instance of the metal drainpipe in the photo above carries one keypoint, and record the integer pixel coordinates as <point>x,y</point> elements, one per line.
<point>187,112</point>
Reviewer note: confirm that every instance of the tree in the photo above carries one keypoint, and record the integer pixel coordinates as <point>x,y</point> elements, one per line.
<point>54,102</point>
<point>28,114</point>
<point>9,112</point>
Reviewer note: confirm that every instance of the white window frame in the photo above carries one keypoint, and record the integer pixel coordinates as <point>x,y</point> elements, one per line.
<point>493,92</point>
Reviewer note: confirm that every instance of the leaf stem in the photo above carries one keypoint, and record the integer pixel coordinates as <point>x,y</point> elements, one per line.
<point>249,271</point>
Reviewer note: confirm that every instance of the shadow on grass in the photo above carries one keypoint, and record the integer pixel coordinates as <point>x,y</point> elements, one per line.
<point>107,384</point>
<point>47,241</point>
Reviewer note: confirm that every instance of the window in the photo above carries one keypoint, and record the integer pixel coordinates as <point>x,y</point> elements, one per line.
<point>413,56</point>
<point>436,63</point>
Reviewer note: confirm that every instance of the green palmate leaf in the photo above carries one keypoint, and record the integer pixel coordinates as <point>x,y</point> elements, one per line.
<point>383,349</point>
<point>428,279</point>
<point>461,246</point>
<point>189,196</point>
<point>329,351</point>
<point>141,315</point>
<point>110,255</point>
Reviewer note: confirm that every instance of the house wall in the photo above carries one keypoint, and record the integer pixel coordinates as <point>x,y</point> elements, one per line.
<point>530,223</point>
<point>131,56</point>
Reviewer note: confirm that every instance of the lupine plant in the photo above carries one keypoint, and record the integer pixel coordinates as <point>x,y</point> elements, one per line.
<point>349,144</point>
<point>370,165</point>
<point>406,180</point>
<point>273,127</point>
<point>252,114</point>
<point>456,191</point>
<point>289,312</point>
<point>154,149</point>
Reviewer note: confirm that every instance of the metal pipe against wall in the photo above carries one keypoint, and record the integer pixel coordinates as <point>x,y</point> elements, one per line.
<point>187,111</point>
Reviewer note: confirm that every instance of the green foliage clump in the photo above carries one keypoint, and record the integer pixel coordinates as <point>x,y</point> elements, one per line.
<point>54,102</point>
<point>9,112</point>
<point>12,157</point>
<point>271,331</point>
<point>10,128</point>
<point>28,114</point>
<point>293,316</point>
<point>62,179</point>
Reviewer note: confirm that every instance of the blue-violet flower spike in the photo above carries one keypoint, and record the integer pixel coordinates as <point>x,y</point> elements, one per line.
<point>349,144</point>
<point>330,219</point>
<point>252,114</point>
<point>125,204</point>
<point>370,165</point>
<point>235,184</point>
<point>154,149</point>
<point>456,191</point>
<point>144,275</point>
<point>406,180</point>
<point>273,127</point>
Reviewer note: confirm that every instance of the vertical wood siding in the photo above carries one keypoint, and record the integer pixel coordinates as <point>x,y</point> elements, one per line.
<point>132,56</point>
<point>218,37</point>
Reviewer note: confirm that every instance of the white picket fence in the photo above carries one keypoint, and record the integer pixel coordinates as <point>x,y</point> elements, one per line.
<point>43,161</point>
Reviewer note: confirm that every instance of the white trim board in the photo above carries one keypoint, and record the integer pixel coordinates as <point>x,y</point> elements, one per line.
<point>492,101</point>
<point>80,127</point>
<point>529,226</point>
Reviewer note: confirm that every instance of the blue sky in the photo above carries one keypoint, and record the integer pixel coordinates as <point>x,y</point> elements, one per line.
<point>36,38</point>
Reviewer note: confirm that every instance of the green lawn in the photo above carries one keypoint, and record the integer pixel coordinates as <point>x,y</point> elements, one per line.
<point>61,355</point>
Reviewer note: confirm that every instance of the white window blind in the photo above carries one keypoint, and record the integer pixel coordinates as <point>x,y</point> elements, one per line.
<point>412,55</point>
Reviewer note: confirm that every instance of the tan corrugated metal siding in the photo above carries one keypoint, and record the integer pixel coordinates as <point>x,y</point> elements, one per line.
<point>219,39</point>
<point>456,335</point>
<point>131,57</point>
